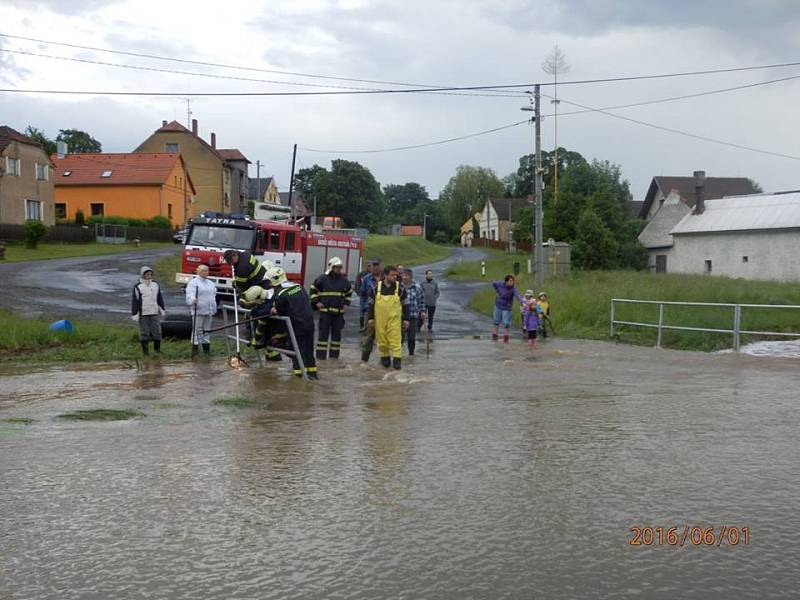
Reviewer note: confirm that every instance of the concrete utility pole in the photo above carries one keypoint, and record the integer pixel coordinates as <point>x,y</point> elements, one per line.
<point>291,185</point>
<point>537,194</point>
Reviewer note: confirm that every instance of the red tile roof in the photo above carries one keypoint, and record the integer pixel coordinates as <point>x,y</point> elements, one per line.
<point>145,168</point>
<point>232,154</point>
<point>8,135</point>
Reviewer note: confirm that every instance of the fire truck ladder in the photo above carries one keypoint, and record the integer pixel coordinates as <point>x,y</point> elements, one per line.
<point>232,333</point>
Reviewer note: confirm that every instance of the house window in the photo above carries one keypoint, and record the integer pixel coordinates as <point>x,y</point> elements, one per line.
<point>33,210</point>
<point>42,172</point>
<point>169,210</point>
<point>13,166</point>
<point>172,148</point>
<point>96,209</point>
<point>67,173</point>
<point>106,173</point>
<point>708,267</point>
<point>61,210</point>
<point>745,259</point>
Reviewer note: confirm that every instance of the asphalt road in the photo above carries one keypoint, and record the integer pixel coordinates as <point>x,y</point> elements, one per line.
<point>99,287</point>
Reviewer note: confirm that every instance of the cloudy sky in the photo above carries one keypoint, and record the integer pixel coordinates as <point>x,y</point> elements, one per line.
<point>429,42</point>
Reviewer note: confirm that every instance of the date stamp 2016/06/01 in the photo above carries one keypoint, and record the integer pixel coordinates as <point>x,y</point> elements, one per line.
<point>690,535</point>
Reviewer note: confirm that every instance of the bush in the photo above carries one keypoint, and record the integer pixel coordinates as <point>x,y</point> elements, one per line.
<point>35,230</point>
<point>160,222</point>
<point>439,237</point>
<point>79,218</point>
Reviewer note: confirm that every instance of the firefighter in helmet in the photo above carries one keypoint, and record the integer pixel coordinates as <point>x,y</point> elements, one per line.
<point>259,301</point>
<point>247,269</point>
<point>291,300</point>
<point>330,295</point>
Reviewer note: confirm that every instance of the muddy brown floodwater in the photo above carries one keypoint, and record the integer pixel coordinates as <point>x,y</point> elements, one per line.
<point>482,472</point>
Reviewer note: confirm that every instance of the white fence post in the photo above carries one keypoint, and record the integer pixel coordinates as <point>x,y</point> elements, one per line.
<point>737,327</point>
<point>612,315</point>
<point>660,324</point>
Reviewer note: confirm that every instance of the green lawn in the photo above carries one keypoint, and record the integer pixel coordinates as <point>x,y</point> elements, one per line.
<point>17,252</point>
<point>24,339</point>
<point>580,303</point>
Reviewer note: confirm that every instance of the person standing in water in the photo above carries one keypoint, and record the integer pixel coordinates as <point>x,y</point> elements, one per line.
<point>506,292</point>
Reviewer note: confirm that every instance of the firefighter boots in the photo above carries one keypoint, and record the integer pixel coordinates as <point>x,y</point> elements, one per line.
<point>396,364</point>
<point>386,361</point>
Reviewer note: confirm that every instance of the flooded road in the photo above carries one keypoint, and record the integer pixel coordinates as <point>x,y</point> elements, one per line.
<point>481,472</point>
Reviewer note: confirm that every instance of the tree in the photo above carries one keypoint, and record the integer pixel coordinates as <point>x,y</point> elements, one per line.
<point>79,141</point>
<point>594,246</point>
<point>304,181</point>
<point>40,136</point>
<point>467,192</point>
<point>756,186</point>
<point>521,182</point>
<point>406,203</point>
<point>349,191</point>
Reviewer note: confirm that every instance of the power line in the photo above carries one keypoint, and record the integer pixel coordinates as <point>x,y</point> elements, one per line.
<point>231,77</point>
<point>423,87</point>
<point>436,143</point>
<point>216,65</point>
<point>576,112</point>
<point>679,132</point>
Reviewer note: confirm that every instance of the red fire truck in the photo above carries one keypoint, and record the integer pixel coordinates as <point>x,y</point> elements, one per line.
<point>302,254</point>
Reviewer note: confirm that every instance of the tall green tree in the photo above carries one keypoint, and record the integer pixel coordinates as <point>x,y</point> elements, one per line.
<point>405,203</point>
<point>350,191</point>
<point>467,192</point>
<point>304,180</point>
<point>41,137</point>
<point>594,246</point>
<point>79,141</point>
<point>520,183</point>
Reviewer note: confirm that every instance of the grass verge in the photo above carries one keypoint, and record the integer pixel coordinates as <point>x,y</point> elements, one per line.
<point>580,303</point>
<point>101,414</point>
<point>18,421</point>
<point>30,340</point>
<point>17,252</point>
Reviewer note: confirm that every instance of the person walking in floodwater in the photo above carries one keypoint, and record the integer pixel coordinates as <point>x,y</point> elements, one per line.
<point>531,318</point>
<point>147,309</point>
<point>504,302</point>
<point>201,298</point>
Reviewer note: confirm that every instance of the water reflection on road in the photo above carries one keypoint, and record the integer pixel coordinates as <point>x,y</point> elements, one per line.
<point>479,473</point>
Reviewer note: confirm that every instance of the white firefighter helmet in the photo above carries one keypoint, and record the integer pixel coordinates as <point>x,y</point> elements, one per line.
<point>275,276</point>
<point>255,294</point>
<point>334,262</point>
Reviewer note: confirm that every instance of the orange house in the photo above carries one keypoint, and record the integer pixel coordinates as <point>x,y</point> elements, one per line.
<point>136,186</point>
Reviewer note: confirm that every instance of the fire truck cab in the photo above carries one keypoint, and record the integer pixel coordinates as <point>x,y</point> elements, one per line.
<point>302,254</point>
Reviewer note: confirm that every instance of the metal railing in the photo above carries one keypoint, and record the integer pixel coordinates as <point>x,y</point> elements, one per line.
<point>736,331</point>
<point>233,336</point>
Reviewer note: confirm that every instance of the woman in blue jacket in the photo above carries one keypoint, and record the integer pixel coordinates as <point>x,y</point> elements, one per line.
<point>506,292</point>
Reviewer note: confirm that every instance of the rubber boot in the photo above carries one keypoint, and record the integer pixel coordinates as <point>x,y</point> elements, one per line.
<point>312,374</point>
<point>396,364</point>
<point>195,351</point>
<point>157,346</point>
<point>386,362</point>
<point>145,347</point>
<point>322,355</point>
<point>494,336</point>
<point>207,349</point>
<point>505,337</point>
<point>532,344</point>
<point>365,356</point>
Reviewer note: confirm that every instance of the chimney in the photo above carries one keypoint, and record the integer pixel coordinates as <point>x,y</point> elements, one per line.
<point>61,149</point>
<point>214,141</point>
<point>164,123</point>
<point>699,192</point>
<point>194,126</point>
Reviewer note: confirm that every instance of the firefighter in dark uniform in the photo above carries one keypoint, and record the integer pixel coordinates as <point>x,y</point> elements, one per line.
<point>330,295</point>
<point>291,300</point>
<point>259,302</point>
<point>247,269</point>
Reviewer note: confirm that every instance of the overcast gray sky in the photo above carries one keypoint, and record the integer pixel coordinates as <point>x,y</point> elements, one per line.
<point>465,42</point>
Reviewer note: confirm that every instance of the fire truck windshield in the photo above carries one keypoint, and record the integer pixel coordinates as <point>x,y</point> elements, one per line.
<point>218,236</point>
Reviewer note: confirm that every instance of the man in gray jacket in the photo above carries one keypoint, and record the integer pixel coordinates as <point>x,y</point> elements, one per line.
<point>430,290</point>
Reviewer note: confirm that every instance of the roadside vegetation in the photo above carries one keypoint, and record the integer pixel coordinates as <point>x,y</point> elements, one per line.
<point>581,303</point>
<point>23,339</point>
<point>17,252</point>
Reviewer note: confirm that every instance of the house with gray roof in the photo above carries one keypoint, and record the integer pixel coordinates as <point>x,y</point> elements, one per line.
<point>670,199</point>
<point>753,237</point>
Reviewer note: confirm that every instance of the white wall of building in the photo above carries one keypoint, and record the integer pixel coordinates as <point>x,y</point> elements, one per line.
<point>489,224</point>
<point>771,255</point>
